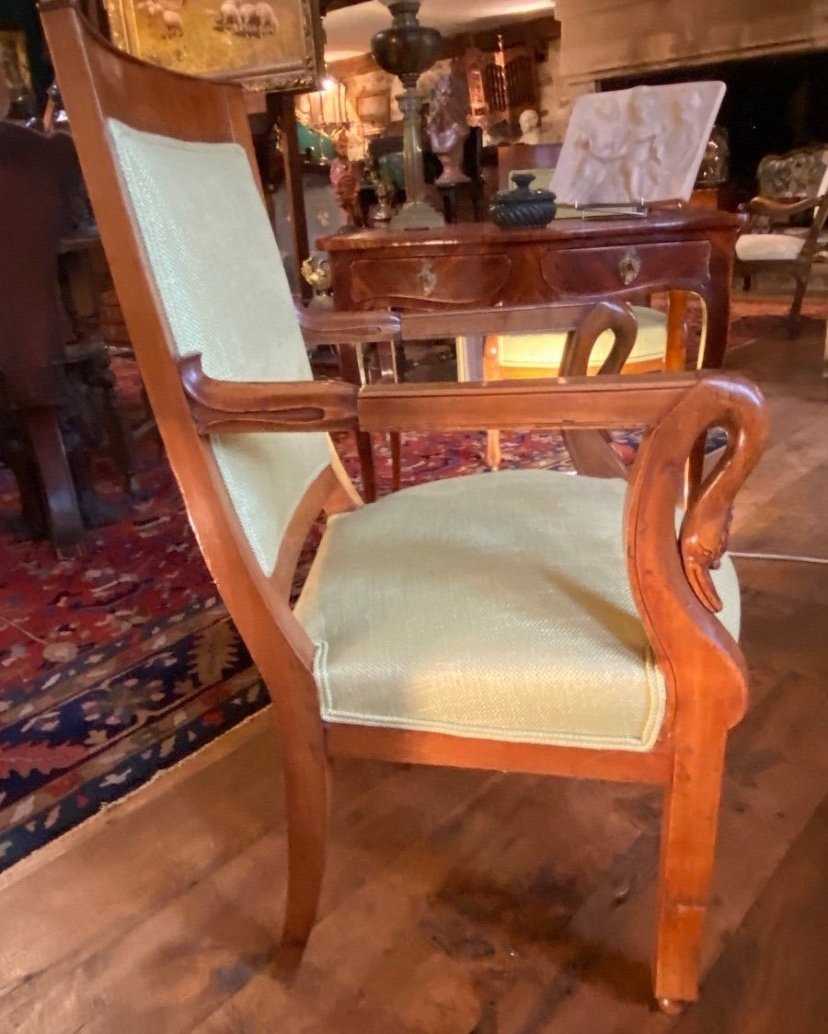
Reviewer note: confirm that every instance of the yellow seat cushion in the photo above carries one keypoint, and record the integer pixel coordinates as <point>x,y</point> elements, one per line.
<point>546,350</point>
<point>493,606</point>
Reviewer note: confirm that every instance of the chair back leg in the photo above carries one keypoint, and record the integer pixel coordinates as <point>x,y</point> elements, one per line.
<point>307,800</point>
<point>62,509</point>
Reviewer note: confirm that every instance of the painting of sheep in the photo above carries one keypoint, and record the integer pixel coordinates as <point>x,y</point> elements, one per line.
<point>267,44</point>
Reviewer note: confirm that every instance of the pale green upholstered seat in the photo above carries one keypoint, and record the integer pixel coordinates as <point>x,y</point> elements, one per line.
<point>493,606</point>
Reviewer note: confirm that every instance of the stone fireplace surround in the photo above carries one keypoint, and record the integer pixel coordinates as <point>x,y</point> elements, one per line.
<point>772,105</point>
<point>773,56</point>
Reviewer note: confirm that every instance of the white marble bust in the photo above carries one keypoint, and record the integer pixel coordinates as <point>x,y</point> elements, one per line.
<point>530,131</point>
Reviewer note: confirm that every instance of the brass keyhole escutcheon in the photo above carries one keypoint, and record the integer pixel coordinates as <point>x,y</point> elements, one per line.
<point>629,266</point>
<point>427,278</point>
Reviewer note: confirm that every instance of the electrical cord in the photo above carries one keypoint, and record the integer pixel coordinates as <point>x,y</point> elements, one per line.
<point>779,556</point>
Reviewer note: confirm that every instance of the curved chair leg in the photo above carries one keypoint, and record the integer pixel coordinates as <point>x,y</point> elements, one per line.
<point>65,523</point>
<point>307,793</point>
<point>395,441</point>
<point>796,306</point>
<point>493,453</point>
<point>688,842</point>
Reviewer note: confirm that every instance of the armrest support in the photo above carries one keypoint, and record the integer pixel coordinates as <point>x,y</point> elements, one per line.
<point>233,406</point>
<point>511,319</point>
<point>327,327</point>
<point>781,209</point>
<point>562,403</point>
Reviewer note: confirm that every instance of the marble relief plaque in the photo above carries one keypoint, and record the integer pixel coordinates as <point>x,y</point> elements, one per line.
<point>640,145</point>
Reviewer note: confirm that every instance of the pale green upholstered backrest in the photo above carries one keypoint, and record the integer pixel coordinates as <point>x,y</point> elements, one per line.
<point>220,278</point>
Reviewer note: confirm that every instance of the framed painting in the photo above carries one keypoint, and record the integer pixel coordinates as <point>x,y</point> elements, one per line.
<point>14,61</point>
<point>264,44</point>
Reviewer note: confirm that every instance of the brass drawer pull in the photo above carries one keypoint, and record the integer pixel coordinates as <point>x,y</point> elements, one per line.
<point>427,278</point>
<point>629,266</point>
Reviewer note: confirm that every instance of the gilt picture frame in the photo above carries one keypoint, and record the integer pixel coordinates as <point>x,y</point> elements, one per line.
<point>273,45</point>
<point>14,60</point>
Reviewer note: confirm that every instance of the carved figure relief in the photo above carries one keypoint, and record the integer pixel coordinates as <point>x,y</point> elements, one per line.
<point>636,146</point>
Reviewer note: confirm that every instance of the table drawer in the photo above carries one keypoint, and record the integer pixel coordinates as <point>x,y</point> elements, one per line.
<point>597,271</point>
<point>441,279</point>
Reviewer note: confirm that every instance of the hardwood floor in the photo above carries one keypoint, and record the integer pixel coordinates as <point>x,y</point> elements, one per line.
<point>463,902</point>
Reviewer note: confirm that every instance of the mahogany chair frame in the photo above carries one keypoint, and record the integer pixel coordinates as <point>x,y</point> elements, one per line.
<point>703,667</point>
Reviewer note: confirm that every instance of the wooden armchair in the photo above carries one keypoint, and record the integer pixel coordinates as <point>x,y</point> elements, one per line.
<point>552,624</point>
<point>794,185</point>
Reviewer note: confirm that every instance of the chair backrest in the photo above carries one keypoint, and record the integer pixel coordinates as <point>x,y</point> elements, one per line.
<point>36,177</point>
<point>797,174</point>
<point>171,173</point>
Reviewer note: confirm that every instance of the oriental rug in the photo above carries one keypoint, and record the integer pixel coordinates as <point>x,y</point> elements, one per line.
<point>118,664</point>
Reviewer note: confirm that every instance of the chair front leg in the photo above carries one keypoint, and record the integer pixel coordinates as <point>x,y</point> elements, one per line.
<point>688,841</point>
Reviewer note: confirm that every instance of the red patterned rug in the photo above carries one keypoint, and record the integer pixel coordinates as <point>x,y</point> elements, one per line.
<point>120,663</point>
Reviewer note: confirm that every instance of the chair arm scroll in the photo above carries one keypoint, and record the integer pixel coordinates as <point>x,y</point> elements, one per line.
<point>774,209</point>
<point>326,327</point>
<point>234,406</point>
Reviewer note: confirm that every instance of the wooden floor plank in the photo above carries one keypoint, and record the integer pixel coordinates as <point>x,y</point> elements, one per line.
<point>772,977</point>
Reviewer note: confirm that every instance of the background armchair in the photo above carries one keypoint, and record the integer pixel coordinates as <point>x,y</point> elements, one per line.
<point>786,219</point>
<point>456,622</point>
<point>56,391</point>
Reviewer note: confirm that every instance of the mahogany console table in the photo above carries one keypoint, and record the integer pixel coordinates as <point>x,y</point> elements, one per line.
<point>478,264</point>
<point>468,265</point>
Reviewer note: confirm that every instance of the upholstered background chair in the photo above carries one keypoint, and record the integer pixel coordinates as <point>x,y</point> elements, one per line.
<point>56,392</point>
<point>521,620</point>
<point>792,187</point>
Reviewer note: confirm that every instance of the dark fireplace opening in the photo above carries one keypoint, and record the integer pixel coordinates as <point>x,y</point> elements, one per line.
<point>772,105</point>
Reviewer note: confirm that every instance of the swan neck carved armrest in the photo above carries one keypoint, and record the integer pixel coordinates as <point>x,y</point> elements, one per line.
<point>678,409</point>
<point>670,573</point>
